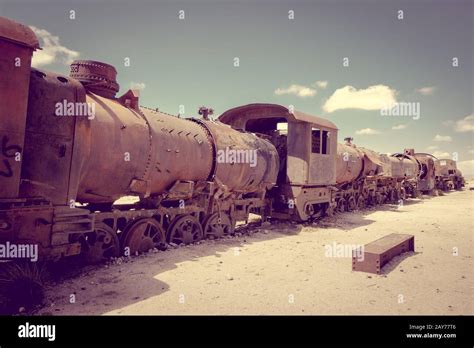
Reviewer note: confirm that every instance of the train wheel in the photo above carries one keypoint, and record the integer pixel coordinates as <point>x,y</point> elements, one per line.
<point>143,235</point>
<point>341,205</point>
<point>351,204</point>
<point>397,194</point>
<point>309,210</point>
<point>393,196</point>
<point>360,202</point>
<point>100,245</point>
<point>371,200</point>
<point>403,194</point>
<point>185,229</point>
<point>329,211</point>
<point>379,198</point>
<point>217,225</point>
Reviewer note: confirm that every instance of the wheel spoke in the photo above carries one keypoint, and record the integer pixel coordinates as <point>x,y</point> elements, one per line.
<point>185,229</point>
<point>143,235</point>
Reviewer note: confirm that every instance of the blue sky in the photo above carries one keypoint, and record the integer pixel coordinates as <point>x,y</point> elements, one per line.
<point>190,62</point>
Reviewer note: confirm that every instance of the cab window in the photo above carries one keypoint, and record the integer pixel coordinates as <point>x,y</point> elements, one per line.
<point>315,140</point>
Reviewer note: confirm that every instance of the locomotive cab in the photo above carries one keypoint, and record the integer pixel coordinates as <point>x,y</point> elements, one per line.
<point>307,148</point>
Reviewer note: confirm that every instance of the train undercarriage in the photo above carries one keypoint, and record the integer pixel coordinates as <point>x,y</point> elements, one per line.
<point>308,203</point>
<point>98,232</point>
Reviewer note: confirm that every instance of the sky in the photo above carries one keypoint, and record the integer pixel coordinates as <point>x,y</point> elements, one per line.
<point>343,60</point>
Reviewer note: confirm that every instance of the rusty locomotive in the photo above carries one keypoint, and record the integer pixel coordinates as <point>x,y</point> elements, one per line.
<point>71,148</point>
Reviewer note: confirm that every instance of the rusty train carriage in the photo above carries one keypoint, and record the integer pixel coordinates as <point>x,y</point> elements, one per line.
<point>307,150</point>
<point>447,176</point>
<point>61,176</point>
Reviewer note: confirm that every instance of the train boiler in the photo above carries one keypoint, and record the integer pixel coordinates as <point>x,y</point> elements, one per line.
<point>359,171</point>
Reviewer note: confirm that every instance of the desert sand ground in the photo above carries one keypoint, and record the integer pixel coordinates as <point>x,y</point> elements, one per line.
<point>283,269</point>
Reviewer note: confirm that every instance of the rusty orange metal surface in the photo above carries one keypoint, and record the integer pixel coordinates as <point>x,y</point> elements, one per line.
<point>17,43</point>
<point>373,256</point>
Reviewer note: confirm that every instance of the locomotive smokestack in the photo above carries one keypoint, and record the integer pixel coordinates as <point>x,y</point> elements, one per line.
<point>97,77</point>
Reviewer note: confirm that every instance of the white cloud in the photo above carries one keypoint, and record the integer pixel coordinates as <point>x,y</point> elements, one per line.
<point>52,51</point>
<point>465,125</point>
<point>441,154</point>
<point>442,138</point>
<point>466,167</point>
<point>321,84</point>
<point>137,85</point>
<point>426,90</point>
<point>399,127</point>
<point>448,123</point>
<point>432,147</point>
<point>367,131</point>
<point>298,90</point>
<point>372,98</point>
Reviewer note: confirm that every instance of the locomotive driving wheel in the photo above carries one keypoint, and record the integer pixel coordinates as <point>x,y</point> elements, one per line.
<point>100,244</point>
<point>329,210</point>
<point>403,194</point>
<point>351,203</point>
<point>341,205</point>
<point>361,202</point>
<point>392,196</point>
<point>372,199</point>
<point>217,225</point>
<point>143,235</point>
<point>185,229</point>
<point>379,198</point>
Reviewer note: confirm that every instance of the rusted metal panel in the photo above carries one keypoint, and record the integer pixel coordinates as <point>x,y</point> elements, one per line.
<point>349,163</point>
<point>180,150</point>
<point>373,162</point>
<point>18,34</point>
<point>145,152</point>
<point>445,167</point>
<point>427,173</point>
<point>117,145</point>
<point>17,43</point>
<point>303,166</point>
<point>404,166</point>
<point>27,225</point>
<point>322,164</point>
<point>244,161</point>
<point>238,117</point>
<point>98,78</point>
<point>447,176</point>
<point>377,253</point>
<point>49,139</point>
<point>354,162</point>
<point>299,152</point>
